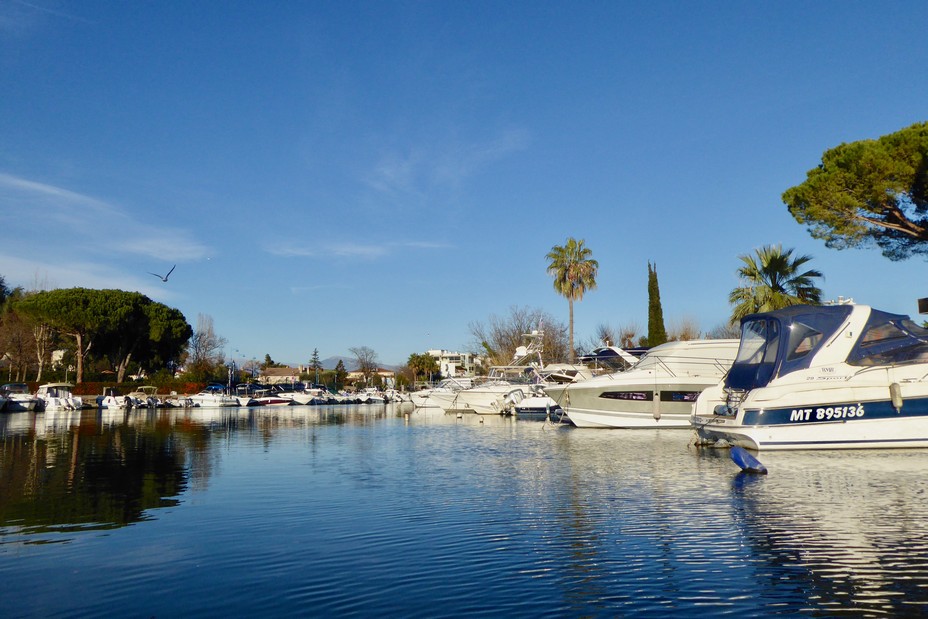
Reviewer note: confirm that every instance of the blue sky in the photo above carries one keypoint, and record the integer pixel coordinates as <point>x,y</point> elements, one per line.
<point>337,174</point>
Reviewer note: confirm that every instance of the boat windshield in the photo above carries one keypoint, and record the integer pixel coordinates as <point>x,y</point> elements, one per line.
<point>779,342</point>
<point>757,353</point>
<point>890,339</point>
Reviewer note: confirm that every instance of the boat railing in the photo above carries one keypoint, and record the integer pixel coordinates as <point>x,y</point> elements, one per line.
<point>677,365</point>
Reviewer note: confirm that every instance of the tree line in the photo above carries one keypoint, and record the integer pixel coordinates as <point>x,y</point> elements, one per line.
<point>116,328</point>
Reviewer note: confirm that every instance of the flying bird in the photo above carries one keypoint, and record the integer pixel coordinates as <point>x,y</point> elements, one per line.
<point>164,278</point>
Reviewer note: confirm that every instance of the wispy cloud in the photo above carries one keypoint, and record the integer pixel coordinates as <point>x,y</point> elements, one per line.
<point>349,249</point>
<point>50,10</point>
<point>88,222</point>
<point>21,18</point>
<point>64,238</point>
<point>299,290</point>
<point>422,168</point>
<point>459,164</point>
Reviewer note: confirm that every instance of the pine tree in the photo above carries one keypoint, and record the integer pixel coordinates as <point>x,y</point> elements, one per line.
<point>314,364</point>
<point>657,334</point>
<point>341,375</point>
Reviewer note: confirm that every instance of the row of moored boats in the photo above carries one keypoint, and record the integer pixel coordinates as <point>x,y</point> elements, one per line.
<point>836,376</point>
<point>16,397</point>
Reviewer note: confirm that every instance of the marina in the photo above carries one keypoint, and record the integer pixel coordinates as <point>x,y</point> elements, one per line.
<point>389,509</point>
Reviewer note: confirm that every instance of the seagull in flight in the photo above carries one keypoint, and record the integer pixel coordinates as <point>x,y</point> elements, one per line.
<point>164,278</point>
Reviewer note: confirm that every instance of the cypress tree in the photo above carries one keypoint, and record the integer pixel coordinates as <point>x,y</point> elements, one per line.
<point>657,334</point>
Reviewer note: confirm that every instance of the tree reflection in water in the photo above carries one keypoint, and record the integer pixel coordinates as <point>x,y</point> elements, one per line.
<point>79,471</point>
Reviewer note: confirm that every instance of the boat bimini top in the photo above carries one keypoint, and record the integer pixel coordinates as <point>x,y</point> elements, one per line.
<point>779,342</point>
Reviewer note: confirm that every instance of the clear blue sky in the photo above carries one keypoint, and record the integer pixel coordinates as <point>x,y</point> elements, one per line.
<point>337,174</point>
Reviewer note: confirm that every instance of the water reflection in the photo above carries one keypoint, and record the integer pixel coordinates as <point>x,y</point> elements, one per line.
<point>845,530</point>
<point>94,469</point>
<point>387,510</point>
<point>79,470</point>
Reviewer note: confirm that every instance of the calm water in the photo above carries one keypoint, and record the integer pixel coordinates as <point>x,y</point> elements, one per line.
<point>332,511</point>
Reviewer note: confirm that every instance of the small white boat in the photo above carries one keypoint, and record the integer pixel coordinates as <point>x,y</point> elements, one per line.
<point>177,401</point>
<point>268,397</point>
<point>538,405</point>
<point>302,395</point>
<point>840,376</point>
<point>244,393</point>
<point>145,397</point>
<point>370,395</point>
<point>18,398</point>
<point>214,396</point>
<point>58,397</point>
<point>112,399</point>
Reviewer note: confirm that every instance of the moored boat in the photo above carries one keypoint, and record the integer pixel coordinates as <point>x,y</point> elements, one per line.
<point>18,398</point>
<point>506,385</point>
<point>244,393</point>
<point>657,392</point>
<point>423,397</point>
<point>537,405</point>
<point>146,396</point>
<point>58,397</point>
<point>838,376</point>
<point>213,396</point>
<point>112,399</point>
<point>268,397</point>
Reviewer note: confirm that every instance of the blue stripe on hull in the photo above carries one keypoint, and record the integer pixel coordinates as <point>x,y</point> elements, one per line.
<point>843,412</point>
<point>846,442</point>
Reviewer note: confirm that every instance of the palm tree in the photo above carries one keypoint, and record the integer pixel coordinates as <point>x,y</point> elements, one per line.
<point>574,273</point>
<point>773,279</point>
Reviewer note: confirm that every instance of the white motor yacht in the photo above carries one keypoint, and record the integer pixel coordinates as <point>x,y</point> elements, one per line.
<point>58,397</point>
<point>244,394</point>
<point>112,399</point>
<point>657,392</point>
<point>423,399</point>
<point>271,397</point>
<point>213,396</point>
<point>18,398</point>
<point>838,376</point>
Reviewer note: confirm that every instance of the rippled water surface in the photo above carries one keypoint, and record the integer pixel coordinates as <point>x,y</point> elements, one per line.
<point>363,510</point>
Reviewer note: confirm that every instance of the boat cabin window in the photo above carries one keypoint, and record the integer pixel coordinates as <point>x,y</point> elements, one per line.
<point>890,338</point>
<point>802,340</point>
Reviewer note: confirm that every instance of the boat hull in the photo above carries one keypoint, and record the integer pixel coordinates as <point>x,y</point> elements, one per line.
<point>213,400</point>
<point>621,403</point>
<point>490,400</point>
<point>16,405</point>
<point>627,419</point>
<point>537,407</point>
<point>829,421</point>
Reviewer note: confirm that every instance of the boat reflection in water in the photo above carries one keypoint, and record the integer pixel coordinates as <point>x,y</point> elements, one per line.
<point>848,530</point>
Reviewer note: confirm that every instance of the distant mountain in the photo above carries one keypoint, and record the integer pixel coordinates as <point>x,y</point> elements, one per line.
<point>329,363</point>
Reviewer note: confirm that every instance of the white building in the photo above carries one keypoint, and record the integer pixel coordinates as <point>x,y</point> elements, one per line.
<point>453,364</point>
